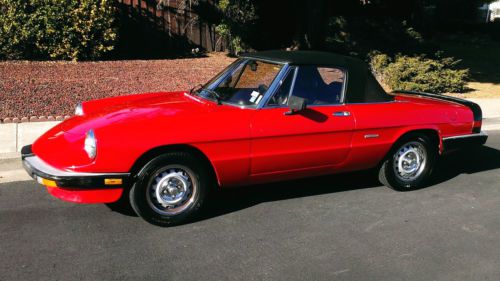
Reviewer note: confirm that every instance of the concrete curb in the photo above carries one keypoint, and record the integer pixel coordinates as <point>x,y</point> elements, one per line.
<point>14,136</point>
<point>12,170</point>
<point>34,119</point>
<point>491,127</point>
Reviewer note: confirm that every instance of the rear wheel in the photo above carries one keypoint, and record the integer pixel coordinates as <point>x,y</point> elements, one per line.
<point>409,164</point>
<point>170,189</point>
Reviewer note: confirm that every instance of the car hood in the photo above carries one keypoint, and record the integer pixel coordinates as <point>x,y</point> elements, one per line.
<point>135,124</point>
<point>135,108</point>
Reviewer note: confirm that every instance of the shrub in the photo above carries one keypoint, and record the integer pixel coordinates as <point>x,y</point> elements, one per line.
<point>378,63</point>
<point>419,73</point>
<point>56,29</point>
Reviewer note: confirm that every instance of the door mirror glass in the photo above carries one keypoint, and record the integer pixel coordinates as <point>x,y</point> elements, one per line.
<point>296,104</point>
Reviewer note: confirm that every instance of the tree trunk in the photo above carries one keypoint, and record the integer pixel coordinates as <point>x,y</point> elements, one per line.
<point>311,21</point>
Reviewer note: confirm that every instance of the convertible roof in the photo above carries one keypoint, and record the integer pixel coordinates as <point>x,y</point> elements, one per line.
<point>361,86</point>
<point>305,57</point>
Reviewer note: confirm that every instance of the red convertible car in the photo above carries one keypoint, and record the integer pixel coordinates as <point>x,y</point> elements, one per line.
<point>269,116</point>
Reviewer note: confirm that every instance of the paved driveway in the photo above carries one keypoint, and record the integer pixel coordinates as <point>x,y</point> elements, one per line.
<point>344,227</point>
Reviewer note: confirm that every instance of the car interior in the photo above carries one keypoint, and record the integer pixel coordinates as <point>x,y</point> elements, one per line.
<point>318,85</point>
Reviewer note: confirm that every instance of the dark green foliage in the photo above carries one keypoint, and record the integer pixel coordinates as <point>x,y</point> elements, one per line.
<point>420,73</point>
<point>237,18</point>
<point>56,29</point>
<point>359,36</point>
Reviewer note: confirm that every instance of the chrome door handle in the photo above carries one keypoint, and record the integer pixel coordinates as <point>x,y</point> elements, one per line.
<point>341,113</point>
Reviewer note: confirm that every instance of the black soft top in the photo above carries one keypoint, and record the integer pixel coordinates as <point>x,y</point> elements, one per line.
<point>361,85</point>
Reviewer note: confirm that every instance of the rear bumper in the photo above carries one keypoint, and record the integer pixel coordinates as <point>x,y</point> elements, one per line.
<point>74,186</point>
<point>464,141</point>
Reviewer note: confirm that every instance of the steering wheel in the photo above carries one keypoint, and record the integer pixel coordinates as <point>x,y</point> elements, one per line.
<point>278,98</point>
<point>262,88</point>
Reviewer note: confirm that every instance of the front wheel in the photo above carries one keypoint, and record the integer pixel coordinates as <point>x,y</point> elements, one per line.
<point>409,164</point>
<point>170,189</point>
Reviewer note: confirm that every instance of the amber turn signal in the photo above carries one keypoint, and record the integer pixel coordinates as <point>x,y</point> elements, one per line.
<point>112,181</point>
<point>46,182</point>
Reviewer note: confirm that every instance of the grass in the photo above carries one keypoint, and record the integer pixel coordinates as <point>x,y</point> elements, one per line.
<point>482,57</point>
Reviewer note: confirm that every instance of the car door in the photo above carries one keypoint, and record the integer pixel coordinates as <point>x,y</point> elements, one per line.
<point>317,138</point>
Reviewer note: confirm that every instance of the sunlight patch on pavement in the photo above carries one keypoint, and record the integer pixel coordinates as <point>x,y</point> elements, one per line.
<point>489,128</point>
<point>13,176</point>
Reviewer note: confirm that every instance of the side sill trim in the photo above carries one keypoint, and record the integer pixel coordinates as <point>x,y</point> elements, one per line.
<point>482,134</point>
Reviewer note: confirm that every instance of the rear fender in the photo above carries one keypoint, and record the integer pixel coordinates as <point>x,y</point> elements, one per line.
<point>432,130</point>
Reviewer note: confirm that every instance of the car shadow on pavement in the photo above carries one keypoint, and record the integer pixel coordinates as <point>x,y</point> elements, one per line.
<point>230,200</point>
<point>450,166</point>
<point>468,161</point>
<point>235,199</point>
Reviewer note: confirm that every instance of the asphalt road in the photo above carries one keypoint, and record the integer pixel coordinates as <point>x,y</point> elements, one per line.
<point>344,227</point>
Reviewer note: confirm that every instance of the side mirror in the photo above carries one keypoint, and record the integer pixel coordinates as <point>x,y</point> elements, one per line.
<point>296,104</point>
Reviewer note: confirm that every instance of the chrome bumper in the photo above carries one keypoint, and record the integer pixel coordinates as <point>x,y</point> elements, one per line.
<point>463,141</point>
<point>39,170</point>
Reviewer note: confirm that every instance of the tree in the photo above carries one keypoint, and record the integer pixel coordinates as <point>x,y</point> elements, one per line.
<point>237,18</point>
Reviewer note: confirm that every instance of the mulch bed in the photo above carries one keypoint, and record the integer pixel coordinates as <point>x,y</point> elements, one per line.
<point>34,89</point>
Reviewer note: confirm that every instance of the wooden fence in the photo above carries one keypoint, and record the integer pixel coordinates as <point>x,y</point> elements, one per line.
<point>178,20</point>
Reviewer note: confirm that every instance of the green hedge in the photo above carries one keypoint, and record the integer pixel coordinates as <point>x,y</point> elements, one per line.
<point>420,73</point>
<point>57,29</point>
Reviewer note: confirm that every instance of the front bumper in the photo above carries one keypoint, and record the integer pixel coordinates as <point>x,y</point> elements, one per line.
<point>75,186</point>
<point>464,141</point>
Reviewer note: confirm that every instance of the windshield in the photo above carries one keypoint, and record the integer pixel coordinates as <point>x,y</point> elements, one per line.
<point>243,83</point>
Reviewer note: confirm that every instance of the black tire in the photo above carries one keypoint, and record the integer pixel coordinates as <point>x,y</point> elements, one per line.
<point>144,193</point>
<point>122,206</point>
<point>389,173</point>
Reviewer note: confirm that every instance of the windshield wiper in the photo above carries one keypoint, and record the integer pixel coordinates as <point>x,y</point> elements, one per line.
<point>215,95</point>
<point>196,86</point>
<point>211,92</point>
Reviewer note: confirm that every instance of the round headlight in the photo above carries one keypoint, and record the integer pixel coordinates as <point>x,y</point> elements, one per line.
<point>79,110</point>
<point>90,144</point>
